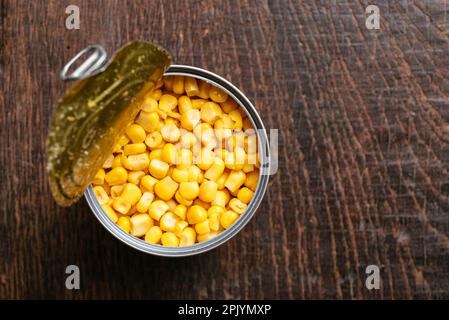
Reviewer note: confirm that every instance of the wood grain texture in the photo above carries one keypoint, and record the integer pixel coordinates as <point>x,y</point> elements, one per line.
<point>363,149</point>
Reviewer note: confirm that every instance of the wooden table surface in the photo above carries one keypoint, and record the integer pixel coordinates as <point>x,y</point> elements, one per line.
<point>363,149</point>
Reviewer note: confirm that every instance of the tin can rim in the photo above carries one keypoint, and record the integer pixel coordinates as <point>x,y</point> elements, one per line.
<point>264,158</point>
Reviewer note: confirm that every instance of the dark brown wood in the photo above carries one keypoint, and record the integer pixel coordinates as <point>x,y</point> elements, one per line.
<point>363,149</point>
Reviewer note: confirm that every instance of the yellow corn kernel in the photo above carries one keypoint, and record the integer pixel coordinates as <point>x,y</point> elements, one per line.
<point>205,134</point>
<point>149,105</point>
<point>237,140</point>
<point>178,84</point>
<point>147,183</point>
<point>188,140</point>
<point>179,227</point>
<point>136,162</point>
<point>158,168</point>
<point>153,139</point>
<point>194,174</point>
<point>196,214</point>
<point>214,221</point>
<point>131,193</point>
<point>157,209</point>
<point>99,177</point>
<point>108,163</point>
<point>106,188</point>
<point>116,190</point>
<point>215,170</point>
<point>140,224</point>
<point>117,162</point>
<point>190,119</point>
<point>208,191</point>
<point>197,103</point>
<point>202,227</point>
<point>189,190</point>
<point>170,132</point>
<point>205,159</point>
<point>210,112</point>
<point>134,148</point>
<point>171,204</point>
<point>169,239</point>
<point>184,104</point>
<point>181,200</point>
<point>153,235</point>
<point>148,120</point>
<point>215,209</point>
<point>123,140</point>
<point>156,154</point>
<point>121,205</point>
<point>124,223</point>
<point>239,158</point>
<point>167,102</point>
<point>204,90</point>
<point>168,222</point>
<point>136,133</point>
<point>229,105</point>
<point>116,176</point>
<point>184,159</point>
<point>236,116</point>
<point>168,83</point>
<point>217,94</point>
<point>181,211</point>
<point>191,86</point>
<point>247,125</point>
<point>221,199</point>
<point>180,175</point>
<point>222,180</point>
<point>110,213</point>
<point>144,202</point>
<point>247,168</point>
<point>101,195</point>
<point>207,236</point>
<point>252,179</point>
<point>237,206</point>
<point>245,195</point>
<point>201,203</point>
<point>228,218</point>
<point>156,94</point>
<point>135,176</point>
<point>235,180</point>
<point>166,188</point>
<point>169,153</point>
<point>187,237</point>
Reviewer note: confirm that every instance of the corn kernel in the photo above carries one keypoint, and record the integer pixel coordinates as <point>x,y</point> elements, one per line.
<point>179,227</point>
<point>178,84</point>
<point>147,183</point>
<point>184,159</point>
<point>188,140</point>
<point>134,148</point>
<point>169,153</point>
<point>170,132</point>
<point>236,116</point>
<point>190,119</point>
<point>171,204</point>
<point>207,236</point>
<point>116,190</point>
<point>235,180</point>
<point>228,218</point>
<point>117,175</point>
<point>168,222</point>
<point>184,104</point>
<point>220,199</point>
<point>121,205</point>
<point>99,177</point>
<point>229,105</point>
<point>214,222</point>
<point>181,211</point>
<point>167,102</point>
<point>247,168</point>
<point>215,170</point>
<point>149,105</point>
<point>196,214</point>
<point>156,94</point>
<point>208,191</point>
<point>144,202</point>
<point>237,206</point>
<point>156,154</point>
<point>180,175</point>
<point>110,213</point>
<point>123,140</point>
<point>245,195</point>
<point>148,120</point>
<point>157,209</point>
<point>210,112</point>
<point>187,238</point>
<point>169,239</point>
<point>153,235</point>
<point>124,223</point>
<point>136,162</point>
<point>201,203</point>
<point>202,227</point>
<point>204,90</point>
<point>117,162</point>
<point>158,168</point>
<point>205,159</point>
<point>194,174</point>
<point>222,180</point>
<point>197,103</point>
<point>217,94</point>
<point>135,176</point>
<point>191,86</point>
<point>189,190</point>
<point>181,199</point>
<point>215,209</point>
<point>101,195</point>
<point>153,139</point>
<point>251,180</point>
<point>205,134</point>
<point>140,224</point>
<point>136,133</point>
<point>168,83</point>
<point>166,188</point>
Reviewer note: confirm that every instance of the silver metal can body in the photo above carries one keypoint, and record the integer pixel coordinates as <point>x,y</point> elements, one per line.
<point>264,158</point>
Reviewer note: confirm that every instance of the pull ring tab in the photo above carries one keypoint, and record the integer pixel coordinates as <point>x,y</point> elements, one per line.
<point>93,65</point>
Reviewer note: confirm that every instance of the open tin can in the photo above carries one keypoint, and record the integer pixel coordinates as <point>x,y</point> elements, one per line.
<point>264,171</point>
